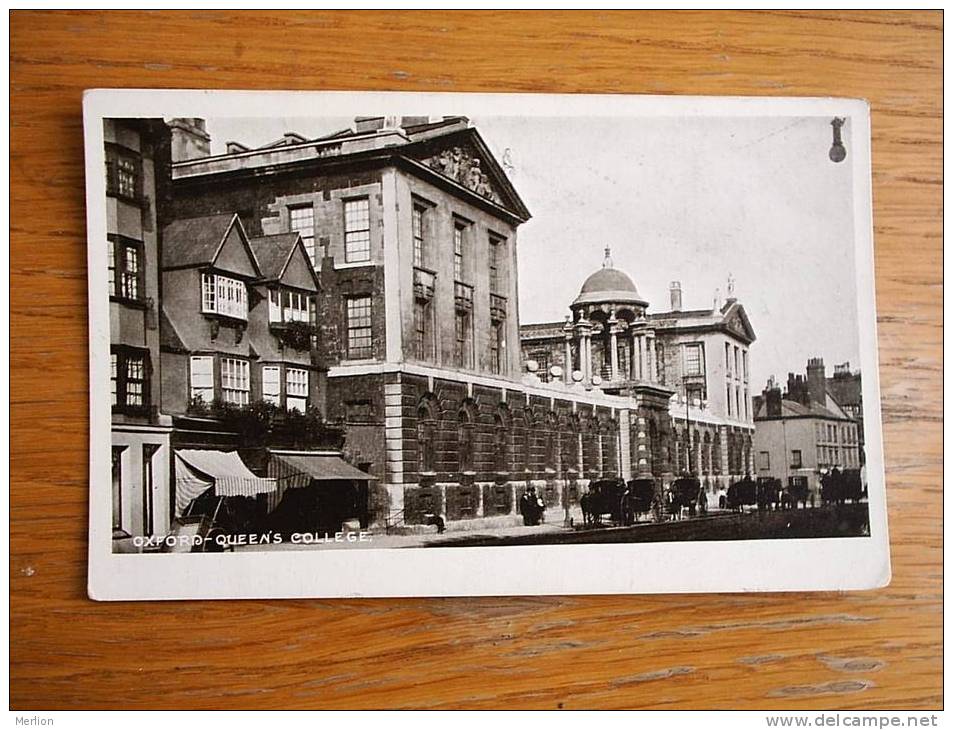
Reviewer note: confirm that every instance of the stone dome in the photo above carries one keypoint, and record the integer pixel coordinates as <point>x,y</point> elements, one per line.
<point>609,285</point>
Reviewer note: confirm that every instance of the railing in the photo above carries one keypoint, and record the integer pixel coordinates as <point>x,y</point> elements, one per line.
<point>497,307</point>
<point>424,283</point>
<point>463,296</point>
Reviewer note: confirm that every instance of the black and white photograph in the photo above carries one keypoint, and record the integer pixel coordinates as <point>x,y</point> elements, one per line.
<point>625,343</point>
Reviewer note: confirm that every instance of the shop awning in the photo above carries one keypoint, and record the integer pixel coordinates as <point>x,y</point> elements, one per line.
<point>196,470</point>
<point>313,467</point>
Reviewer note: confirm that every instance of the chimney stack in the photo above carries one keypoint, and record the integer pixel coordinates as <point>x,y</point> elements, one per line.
<point>816,381</point>
<point>190,141</point>
<point>772,399</point>
<point>797,389</point>
<point>675,289</point>
<point>368,124</point>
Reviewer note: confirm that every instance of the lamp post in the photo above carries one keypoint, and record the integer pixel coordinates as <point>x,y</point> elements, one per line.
<point>688,427</point>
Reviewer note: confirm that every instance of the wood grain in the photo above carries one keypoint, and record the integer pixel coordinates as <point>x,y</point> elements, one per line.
<point>878,649</point>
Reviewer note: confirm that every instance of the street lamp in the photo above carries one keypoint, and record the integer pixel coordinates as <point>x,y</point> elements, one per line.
<point>688,429</point>
<point>838,152</point>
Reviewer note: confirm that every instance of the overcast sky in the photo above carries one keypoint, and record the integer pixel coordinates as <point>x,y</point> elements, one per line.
<point>684,199</point>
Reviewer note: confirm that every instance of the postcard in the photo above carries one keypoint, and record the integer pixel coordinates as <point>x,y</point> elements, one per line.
<point>421,344</point>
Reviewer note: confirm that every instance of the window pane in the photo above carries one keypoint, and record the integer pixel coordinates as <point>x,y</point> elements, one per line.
<point>459,265</point>
<point>271,384</point>
<point>135,379</point>
<point>130,274</point>
<point>235,382</point>
<point>419,244</point>
<point>201,378</point>
<point>302,222</point>
<point>693,360</point>
<point>357,230</point>
<point>114,377</point>
<point>359,343</point>
<point>111,264</point>
<point>127,175</point>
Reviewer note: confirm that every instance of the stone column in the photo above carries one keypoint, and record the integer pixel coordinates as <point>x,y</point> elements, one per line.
<point>586,355</point>
<point>567,376</point>
<point>653,365</point>
<point>612,324</point>
<point>635,371</point>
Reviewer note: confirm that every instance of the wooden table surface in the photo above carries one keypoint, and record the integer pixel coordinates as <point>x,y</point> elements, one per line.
<point>876,649</point>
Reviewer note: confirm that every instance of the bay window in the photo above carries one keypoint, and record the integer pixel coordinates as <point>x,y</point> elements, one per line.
<point>224,295</point>
<point>297,389</point>
<point>288,306</point>
<point>271,384</point>
<point>201,378</point>
<point>235,381</point>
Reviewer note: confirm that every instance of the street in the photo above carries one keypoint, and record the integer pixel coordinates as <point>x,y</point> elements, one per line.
<point>849,520</point>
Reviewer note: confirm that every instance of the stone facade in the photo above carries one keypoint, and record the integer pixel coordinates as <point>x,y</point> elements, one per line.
<point>137,174</point>
<point>682,373</point>
<point>803,432</point>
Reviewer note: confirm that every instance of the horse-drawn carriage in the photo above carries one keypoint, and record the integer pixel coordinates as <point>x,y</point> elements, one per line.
<point>839,486</point>
<point>768,493</point>
<point>685,493</point>
<point>619,501</point>
<point>742,493</point>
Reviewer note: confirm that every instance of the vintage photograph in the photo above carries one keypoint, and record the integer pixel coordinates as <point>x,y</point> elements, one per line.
<point>460,331</point>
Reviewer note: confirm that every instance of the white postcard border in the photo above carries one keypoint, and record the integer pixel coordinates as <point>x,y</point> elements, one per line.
<point>672,567</point>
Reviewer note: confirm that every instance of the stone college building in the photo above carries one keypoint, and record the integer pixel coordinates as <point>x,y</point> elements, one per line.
<point>368,279</point>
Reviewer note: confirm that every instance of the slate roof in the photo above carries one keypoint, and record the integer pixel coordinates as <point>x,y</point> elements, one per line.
<point>169,338</point>
<point>791,408</point>
<point>272,253</point>
<point>194,241</point>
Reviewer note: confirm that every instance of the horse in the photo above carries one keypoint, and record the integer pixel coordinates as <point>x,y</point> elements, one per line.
<point>837,486</point>
<point>604,497</point>
<point>641,498</point>
<point>741,493</point>
<point>683,493</point>
<point>769,493</point>
<point>794,494</point>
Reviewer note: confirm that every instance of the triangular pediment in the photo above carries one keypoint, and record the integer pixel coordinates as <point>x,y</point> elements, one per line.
<point>464,158</point>
<point>737,322</point>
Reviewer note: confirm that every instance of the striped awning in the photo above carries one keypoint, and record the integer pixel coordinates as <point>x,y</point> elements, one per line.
<point>196,470</point>
<point>295,470</point>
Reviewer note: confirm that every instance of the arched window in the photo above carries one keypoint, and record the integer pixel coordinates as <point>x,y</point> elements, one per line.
<point>501,447</point>
<point>655,449</point>
<point>696,445</point>
<point>716,453</point>
<point>610,451</point>
<point>465,440</point>
<point>528,439</point>
<point>569,437</point>
<point>550,442</point>
<point>679,451</point>
<point>426,429</point>
<point>706,454</point>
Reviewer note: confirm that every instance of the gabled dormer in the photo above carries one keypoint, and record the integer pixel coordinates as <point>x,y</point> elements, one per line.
<point>290,283</point>
<point>218,247</point>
